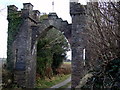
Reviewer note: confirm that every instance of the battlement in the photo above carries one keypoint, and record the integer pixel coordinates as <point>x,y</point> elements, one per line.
<point>26,12</point>
<point>77,8</point>
<point>27,6</point>
<point>52,16</point>
<point>12,8</point>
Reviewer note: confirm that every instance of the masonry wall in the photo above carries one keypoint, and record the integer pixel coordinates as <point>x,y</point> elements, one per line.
<point>14,21</point>
<point>77,12</point>
<point>21,60</point>
<point>26,53</point>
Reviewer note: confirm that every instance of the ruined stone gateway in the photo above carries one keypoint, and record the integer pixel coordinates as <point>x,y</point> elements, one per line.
<point>22,47</point>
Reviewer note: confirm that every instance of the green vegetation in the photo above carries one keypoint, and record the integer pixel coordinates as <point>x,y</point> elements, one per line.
<point>45,16</point>
<point>51,51</point>
<point>15,20</point>
<point>105,78</point>
<point>50,82</point>
<point>67,62</point>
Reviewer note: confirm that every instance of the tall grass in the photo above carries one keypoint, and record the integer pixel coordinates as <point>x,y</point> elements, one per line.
<point>66,68</point>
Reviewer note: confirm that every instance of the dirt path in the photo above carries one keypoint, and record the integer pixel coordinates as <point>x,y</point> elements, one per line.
<point>62,83</point>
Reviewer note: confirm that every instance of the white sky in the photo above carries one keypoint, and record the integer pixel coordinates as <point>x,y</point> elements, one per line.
<point>61,7</point>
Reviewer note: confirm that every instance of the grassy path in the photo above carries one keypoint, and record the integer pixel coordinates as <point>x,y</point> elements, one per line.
<point>62,83</point>
<point>49,83</point>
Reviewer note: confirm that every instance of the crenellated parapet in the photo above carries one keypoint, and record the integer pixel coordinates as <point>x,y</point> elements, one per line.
<point>76,8</point>
<point>12,8</point>
<point>27,6</point>
<point>26,12</point>
<point>52,16</point>
<point>54,21</point>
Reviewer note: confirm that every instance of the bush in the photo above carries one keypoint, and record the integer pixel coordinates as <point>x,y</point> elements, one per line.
<point>7,78</point>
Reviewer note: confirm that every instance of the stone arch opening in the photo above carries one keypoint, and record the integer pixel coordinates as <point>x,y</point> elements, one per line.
<point>42,35</point>
<point>39,31</point>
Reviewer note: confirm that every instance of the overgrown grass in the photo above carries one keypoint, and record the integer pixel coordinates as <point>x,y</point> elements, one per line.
<point>66,68</point>
<point>47,83</point>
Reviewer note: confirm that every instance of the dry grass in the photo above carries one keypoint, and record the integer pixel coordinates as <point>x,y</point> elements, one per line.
<point>66,68</point>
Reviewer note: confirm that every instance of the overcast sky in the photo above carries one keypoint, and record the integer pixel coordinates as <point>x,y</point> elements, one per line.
<point>61,7</point>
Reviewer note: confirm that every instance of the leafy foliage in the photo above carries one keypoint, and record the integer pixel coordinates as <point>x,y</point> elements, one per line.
<point>44,57</point>
<point>51,51</point>
<point>42,17</point>
<point>108,78</point>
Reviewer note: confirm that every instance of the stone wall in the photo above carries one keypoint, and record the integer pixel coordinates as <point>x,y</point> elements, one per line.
<point>77,12</point>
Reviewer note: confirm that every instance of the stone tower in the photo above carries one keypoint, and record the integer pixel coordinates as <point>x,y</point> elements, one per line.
<point>77,12</point>
<point>21,60</point>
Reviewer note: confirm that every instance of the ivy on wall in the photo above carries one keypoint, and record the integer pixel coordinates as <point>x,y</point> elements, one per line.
<point>15,20</point>
<point>42,17</point>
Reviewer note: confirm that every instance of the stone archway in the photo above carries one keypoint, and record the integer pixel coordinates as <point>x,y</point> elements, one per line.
<point>22,57</point>
<point>46,24</point>
<point>24,45</point>
<point>39,30</point>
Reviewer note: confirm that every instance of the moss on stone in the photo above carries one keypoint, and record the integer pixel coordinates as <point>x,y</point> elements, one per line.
<point>15,20</point>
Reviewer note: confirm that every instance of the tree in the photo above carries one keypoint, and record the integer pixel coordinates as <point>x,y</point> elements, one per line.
<point>104,41</point>
<point>51,51</point>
